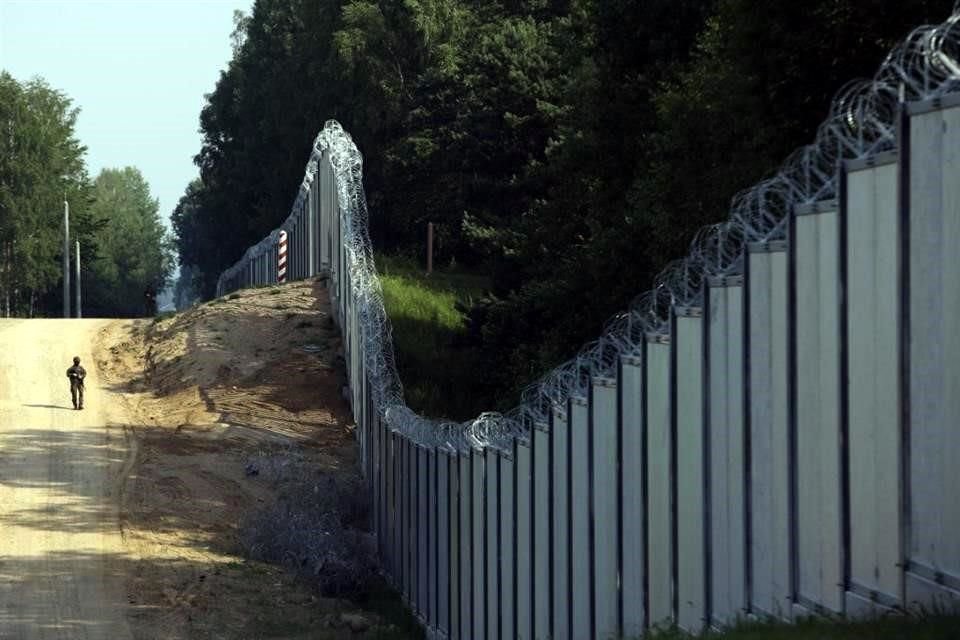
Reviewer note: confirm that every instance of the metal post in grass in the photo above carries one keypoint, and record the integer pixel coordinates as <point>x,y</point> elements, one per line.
<point>429,248</point>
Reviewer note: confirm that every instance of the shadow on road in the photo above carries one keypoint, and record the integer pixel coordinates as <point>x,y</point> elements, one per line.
<point>189,589</point>
<point>48,406</point>
<point>176,580</point>
<point>44,596</point>
<point>63,478</point>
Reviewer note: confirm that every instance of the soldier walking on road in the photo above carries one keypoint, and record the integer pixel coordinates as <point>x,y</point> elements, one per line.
<point>76,373</point>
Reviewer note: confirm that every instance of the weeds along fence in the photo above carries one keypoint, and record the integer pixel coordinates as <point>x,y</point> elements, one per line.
<point>772,430</point>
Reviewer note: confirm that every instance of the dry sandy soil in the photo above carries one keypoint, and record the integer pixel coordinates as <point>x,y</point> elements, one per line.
<point>177,410</point>
<point>62,559</point>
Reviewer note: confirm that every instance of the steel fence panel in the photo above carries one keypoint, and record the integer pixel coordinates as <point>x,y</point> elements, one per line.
<point>456,532</point>
<point>394,509</point>
<point>507,558</point>
<point>770,563</point>
<point>406,511</point>
<point>523,554</point>
<point>580,518</point>
<point>659,478</point>
<point>478,568</point>
<point>444,536</point>
<point>493,548</point>
<point>691,501</point>
<point>632,482</point>
<point>818,437</point>
<point>540,530</point>
<point>560,549</point>
<point>423,528</point>
<point>465,549</point>
<point>873,391</point>
<point>433,542</point>
<point>933,305</point>
<point>604,508</point>
<point>727,451</point>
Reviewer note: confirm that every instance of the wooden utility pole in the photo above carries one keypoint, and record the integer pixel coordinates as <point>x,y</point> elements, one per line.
<point>76,278</point>
<point>66,259</point>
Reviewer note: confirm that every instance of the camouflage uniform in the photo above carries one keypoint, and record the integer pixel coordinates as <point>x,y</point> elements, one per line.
<point>76,373</point>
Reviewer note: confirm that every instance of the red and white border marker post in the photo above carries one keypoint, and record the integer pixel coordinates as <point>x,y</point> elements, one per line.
<point>282,258</point>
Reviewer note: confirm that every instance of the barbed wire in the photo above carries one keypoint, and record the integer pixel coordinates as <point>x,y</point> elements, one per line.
<point>862,121</point>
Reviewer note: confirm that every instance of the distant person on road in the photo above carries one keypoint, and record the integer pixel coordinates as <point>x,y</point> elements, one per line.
<point>76,373</point>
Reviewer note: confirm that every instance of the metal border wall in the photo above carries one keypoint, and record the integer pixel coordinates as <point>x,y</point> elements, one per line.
<point>769,431</point>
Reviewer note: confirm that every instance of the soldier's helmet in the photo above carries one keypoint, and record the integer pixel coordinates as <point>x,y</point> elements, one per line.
<point>76,360</point>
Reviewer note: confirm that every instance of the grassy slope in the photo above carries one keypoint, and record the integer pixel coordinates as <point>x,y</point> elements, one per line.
<point>436,369</point>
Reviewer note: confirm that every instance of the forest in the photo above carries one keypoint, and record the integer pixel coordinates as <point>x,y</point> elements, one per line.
<point>124,247</point>
<point>566,150</point>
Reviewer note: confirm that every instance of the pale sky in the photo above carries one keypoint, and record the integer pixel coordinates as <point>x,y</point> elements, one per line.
<point>138,70</point>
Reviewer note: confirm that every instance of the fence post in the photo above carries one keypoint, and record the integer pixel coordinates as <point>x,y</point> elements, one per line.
<point>282,257</point>
<point>312,224</point>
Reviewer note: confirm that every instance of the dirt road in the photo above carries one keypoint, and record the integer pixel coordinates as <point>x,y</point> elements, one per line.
<point>134,518</point>
<point>61,476</point>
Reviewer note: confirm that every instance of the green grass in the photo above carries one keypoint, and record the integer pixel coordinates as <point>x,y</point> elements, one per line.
<point>926,627</point>
<point>437,371</point>
<point>385,602</point>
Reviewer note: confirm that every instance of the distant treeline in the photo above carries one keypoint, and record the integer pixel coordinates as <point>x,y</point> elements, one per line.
<point>125,251</point>
<point>567,148</point>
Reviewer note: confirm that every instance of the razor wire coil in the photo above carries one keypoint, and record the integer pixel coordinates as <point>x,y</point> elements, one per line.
<point>862,121</point>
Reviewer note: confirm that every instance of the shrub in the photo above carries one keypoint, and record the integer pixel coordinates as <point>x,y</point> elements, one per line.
<point>317,527</point>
